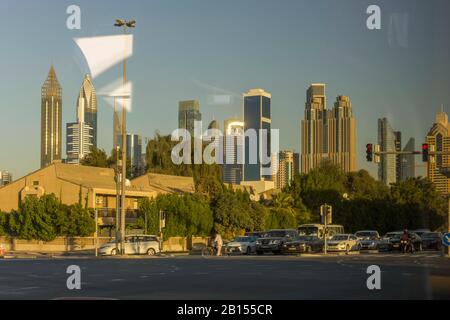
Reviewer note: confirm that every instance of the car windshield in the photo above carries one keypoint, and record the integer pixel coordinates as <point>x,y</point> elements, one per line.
<point>243,239</point>
<point>276,234</point>
<point>307,231</point>
<point>431,235</point>
<point>366,234</point>
<point>339,237</point>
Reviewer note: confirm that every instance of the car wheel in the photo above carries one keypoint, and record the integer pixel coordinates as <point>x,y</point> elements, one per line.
<point>151,252</point>
<point>347,249</point>
<point>259,253</point>
<point>249,251</point>
<point>420,247</point>
<point>308,249</point>
<point>114,252</point>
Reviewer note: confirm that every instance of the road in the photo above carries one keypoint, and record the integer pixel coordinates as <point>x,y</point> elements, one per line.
<point>419,276</point>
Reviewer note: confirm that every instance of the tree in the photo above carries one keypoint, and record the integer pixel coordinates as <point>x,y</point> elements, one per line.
<point>96,158</point>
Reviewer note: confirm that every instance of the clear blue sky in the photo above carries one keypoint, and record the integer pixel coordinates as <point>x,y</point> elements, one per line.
<point>185,49</point>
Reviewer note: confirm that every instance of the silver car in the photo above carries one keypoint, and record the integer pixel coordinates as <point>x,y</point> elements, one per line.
<point>140,244</point>
<point>243,245</point>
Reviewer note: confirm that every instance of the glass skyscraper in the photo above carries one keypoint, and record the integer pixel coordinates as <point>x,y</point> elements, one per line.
<point>257,117</point>
<point>51,114</point>
<point>87,103</point>
<point>188,113</point>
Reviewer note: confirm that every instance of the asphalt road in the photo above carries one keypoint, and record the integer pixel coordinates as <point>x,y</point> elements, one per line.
<point>424,276</point>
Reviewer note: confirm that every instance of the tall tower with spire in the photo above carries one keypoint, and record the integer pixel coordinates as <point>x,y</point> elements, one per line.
<point>51,113</point>
<point>87,106</point>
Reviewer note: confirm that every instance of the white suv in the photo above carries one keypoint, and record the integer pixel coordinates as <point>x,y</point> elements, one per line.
<point>140,244</point>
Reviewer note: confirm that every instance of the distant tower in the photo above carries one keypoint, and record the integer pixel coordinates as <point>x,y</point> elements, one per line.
<point>233,150</point>
<point>87,105</point>
<point>313,128</point>
<point>257,117</point>
<point>188,113</point>
<point>387,168</point>
<point>51,113</point>
<point>438,139</point>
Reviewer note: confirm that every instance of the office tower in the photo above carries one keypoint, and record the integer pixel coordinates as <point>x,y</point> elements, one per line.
<point>257,149</point>
<point>284,168</point>
<point>79,141</point>
<point>51,112</point>
<point>398,157</point>
<point>87,104</point>
<point>313,128</point>
<point>387,168</point>
<point>188,113</point>
<point>134,153</point>
<point>5,178</point>
<point>117,126</point>
<point>341,130</point>
<point>296,163</point>
<point>233,151</point>
<point>408,161</point>
<point>438,139</point>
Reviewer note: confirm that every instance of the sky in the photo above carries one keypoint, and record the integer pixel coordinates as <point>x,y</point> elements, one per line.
<point>195,49</point>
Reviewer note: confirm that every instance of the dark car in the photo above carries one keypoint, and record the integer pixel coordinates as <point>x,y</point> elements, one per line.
<point>420,232</point>
<point>303,244</point>
<point>432,241</point>
<point>393,242</point>
<point>273,240</point>
<point>368,239</point>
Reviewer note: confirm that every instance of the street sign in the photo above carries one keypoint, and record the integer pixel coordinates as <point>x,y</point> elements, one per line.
<point>446,239</point>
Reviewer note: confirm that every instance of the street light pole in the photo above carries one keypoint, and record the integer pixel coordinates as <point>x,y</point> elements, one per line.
<point>125,25</point>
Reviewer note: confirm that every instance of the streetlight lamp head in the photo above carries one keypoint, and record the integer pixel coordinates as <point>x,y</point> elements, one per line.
<point>119,23</point>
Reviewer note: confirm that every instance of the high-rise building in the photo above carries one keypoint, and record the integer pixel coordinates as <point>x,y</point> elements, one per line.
<point>134,153</point>
<point>313,128</point>
<point>438,139</point>
<point>87,104</point>
<point>341,129</point>
<point>408,161</point>
<point>257,149</point>
<point>398,158</point>
<point>327,134</point>
<point>284,168</point>
<point>51,113</point>
<point>5,178</point>
<point>188,113</point>
<point>233,151</point>
<point>387,168</point>
<point>81,135</point>
<point>79,141</point>
<point>117,126</point>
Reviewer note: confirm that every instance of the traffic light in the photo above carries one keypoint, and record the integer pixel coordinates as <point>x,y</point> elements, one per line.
<point>369,152</point>
<point>425,152</point>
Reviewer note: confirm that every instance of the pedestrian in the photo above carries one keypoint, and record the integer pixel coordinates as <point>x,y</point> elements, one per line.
<point>219,243</point>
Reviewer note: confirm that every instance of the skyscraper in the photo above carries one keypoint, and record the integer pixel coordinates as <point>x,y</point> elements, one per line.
<point>233,151</point>
<point>438,139</point>
<point>188,113</point>
<point>79,141</point>
<point>51,112</point>
<point>257,150</point>
<point>5,178</point>
<point>87,104</point>
<point>341,129</point>
<point>284,168</point>
<point>387,168</point>
<point>399,157</point>
<point>313,128</point>
<point>409,161</point>
<point>81,135</point>
<point>134,153</point>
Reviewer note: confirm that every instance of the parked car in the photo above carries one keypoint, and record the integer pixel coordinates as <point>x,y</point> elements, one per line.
<point>257,234</point>
<point>393,242</point>
<point>385,245</point>
<point>420,232</point>
<point>303,244</point>
<point>242,245</point>
<point>273,240</point>
<point>368,239</point>
<point>343,242</point>
<point>432,241</point>
<point>140,244</point>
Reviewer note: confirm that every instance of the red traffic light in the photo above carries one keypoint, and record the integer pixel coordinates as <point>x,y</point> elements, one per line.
<point>425,147</point>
